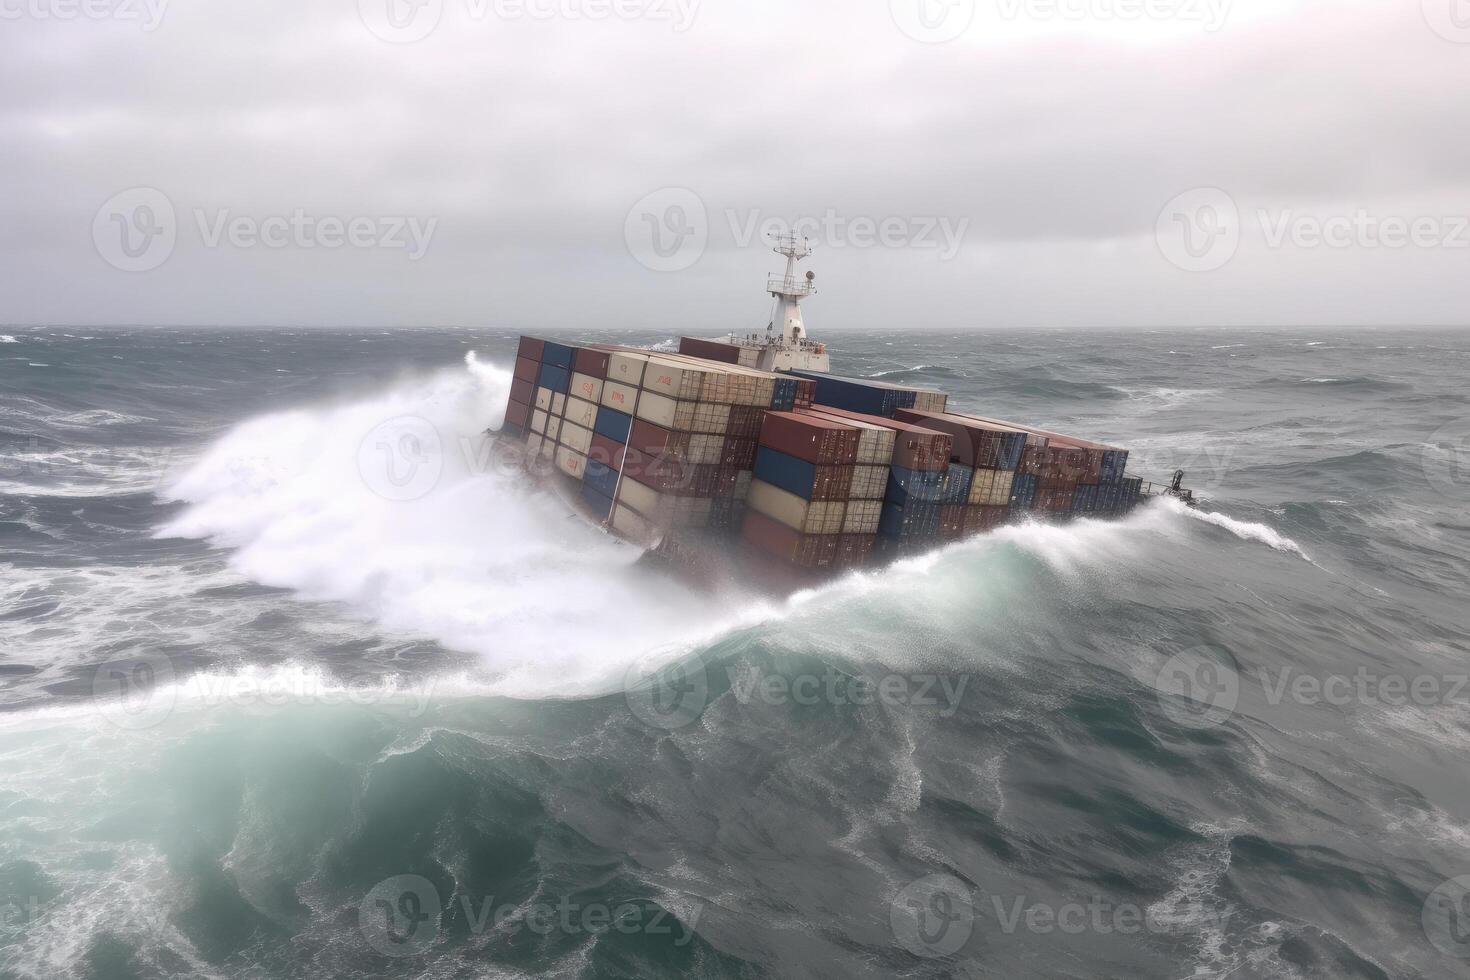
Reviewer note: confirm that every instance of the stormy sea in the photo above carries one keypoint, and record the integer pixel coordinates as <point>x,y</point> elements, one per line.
<point>299,680</point>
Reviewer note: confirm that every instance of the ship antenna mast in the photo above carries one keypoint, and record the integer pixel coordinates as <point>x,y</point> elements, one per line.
<point>786,327</point>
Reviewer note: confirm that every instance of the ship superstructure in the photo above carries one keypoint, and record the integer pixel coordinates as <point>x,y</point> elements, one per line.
<point>785,345</point>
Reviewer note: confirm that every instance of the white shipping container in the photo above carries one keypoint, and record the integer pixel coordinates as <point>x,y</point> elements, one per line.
<point>869,483</point>
<point>619,397</point>
<point>991,488</point>
<point>631,524</point>
<point>533,446</point>
<point>576,437</point>
<point>582,413</point>
<point>553,428</point>
<point>664,509</point>
<point>682,382</point>
<point>862,517</point>
<point>683,416</point>
<point>558,404</point>
<point>572,463</point>
<point>806,516</point>
<point>538,422</point>
<point>930,401</point>
<point>586,387</point>
<point>543,399</point>
<point>626,368</point>
<point>548,448</point>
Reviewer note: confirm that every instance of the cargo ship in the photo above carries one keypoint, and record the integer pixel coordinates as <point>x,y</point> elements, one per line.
<point>746,458</point>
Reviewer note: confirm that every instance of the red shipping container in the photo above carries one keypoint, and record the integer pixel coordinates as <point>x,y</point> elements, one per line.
<point>531,349</point>
<point>526,369</point>
<point>807,437</point>
<point>517,413</point>
<point>592,363</point>
<point>607,452</point>
<point>739,453</point>
<point>952,520</point>
<point>523,391</point>
<point>775,538</point>
<point>914,448</point>
<point>854,550</point>
<point>710,350</point>
<point>976,443</point>
<point>806,393</point>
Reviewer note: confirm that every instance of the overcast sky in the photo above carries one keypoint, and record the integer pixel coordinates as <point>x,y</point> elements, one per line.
<point>613,163</point>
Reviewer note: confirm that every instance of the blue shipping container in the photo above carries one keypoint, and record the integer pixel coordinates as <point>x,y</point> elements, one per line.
<point>855,395</point>
<point>615,425</point>
<point>906,484</point>
<point>601,505</point>
<point>956,486</point>
<point>1011,446</point>
<point>558,355</point>
<point>555,378</point>
<point>603,479</point>
<point>787,472</point>
<point>916,520</point>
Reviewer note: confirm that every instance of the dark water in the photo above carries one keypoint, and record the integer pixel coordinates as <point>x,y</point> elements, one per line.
<point>285,695</point>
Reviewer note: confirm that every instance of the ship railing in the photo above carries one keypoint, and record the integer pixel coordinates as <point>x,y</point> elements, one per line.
<point>790,287</point>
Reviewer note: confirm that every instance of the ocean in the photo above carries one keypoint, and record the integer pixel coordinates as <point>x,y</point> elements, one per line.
<point>297,679</point>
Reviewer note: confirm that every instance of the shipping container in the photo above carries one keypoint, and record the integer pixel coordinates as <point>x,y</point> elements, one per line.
<point>587,387</point>
<point>712,350</point>
<point>854,550</point>
<point>558,355</point>
<point>991,487</point>
<point>575,437</point>
<point>553,377</point>
<point>955,490</point>
<point>914,520</point>
<point>606,451</point>
<point>580,412</point>
<point>952,520</point>
<point>602,478</point>
<point>745,421</point>
<point>812,438</point>
<point>599,504</point>
<point>862,517</point>
<point>613,424</point>
<point>982,445</point>
<point>655,440</point>
<point>682,416</point>
<point>776,539</point>
<point>619,397</point>
<point>570,462</point>
<point>523,391</point>
<point>914,447</point>
<point>674,379</point>
<point>590,362</point>
<point>801,477</point>
<point>868,483</point>
<point>875,442</point>
<point>526,369</point>
<point>517,414</point>
<point>797,513</point>
<point>530,348</point>
<point>626,367</point>
<point>663,509</point>
<point>857,394</point>
<point>558,404</point>
<point>538,421</point>
<point>906,485</point>
<point>738,453</point>
<point>633,525</point>
<point>543,399</point>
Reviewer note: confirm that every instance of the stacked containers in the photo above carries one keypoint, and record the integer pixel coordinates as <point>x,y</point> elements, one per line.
<point>871,397</point>
<point>523,387</point>
<point>798,498</point>
<point>982,469</point>
<point>1072,475</point>
<point>718,350</point>
<point>863,513</point>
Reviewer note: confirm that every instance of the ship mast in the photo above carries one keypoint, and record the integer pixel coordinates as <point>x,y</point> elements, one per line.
<point>786,328</point>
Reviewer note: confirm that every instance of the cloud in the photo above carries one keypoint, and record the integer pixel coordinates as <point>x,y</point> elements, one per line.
<point>1054,133</point>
